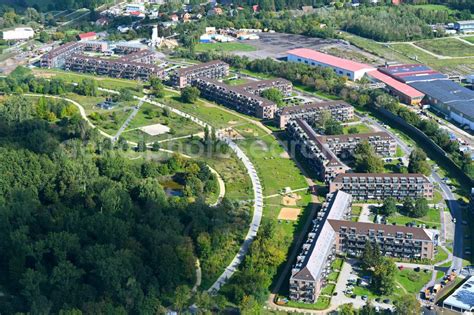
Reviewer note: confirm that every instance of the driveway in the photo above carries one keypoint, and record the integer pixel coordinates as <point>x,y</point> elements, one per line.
<point>347,272</point>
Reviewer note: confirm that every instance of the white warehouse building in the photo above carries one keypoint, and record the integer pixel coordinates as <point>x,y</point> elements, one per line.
<point>19,33</point>
<point>342,67</point>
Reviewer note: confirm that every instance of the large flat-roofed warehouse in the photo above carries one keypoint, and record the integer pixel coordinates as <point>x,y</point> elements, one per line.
<point>339,110</point>
<point>412,73</point>
<point>212,70</point>
<point>19,33</point>
<point>393,240</point>
<point>462,299</point>
<point>450,98</point>
<point>309,273</point>
<point>379,186</point>
<point>342,67</point>
<point>236,98</point>
<point>404,92</point>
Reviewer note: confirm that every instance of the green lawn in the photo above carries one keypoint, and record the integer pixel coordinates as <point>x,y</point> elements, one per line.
<point>208,112</point>
<point>411,280</point>
<point>232,46</point>
<point>447,47</point>
<point>328,289</point>
<point>361,128</point>
<point>355,213</point>
<point>431,219</point>
<point>337,264</point>
<point>469,39</point>
<point>333,276</point>
<point>73,77</point>
<point>434,7</point>
<point>405,53</point>
<point>235,81</point>
<point>275,169</point>
<point>149,115</point>
<point>321,304</point>
<point>441,255</point>
<point>407,281</point>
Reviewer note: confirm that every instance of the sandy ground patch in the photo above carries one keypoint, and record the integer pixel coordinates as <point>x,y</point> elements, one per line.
<point>232,122</point>
<point>289,214</point>
<point>233,134</point>
<point>154,130</point>
<point>291,199</point>
<point>285,155</point>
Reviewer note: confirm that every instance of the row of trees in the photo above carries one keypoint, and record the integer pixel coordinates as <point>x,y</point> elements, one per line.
<point>429,128</point>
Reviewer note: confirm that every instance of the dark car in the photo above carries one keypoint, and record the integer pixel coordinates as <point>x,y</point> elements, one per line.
<point>334,294</point>
<point>377,300</point>
<point>386,301</point>
<point>353,296</point>
<point>417,269</point>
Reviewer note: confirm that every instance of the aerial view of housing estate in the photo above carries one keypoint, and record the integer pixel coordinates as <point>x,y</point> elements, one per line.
<point>237,157</point>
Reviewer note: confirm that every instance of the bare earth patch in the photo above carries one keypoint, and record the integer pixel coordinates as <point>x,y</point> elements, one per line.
<point>290,200</point>
<point>290,214</point>
<point>154,130</point>
<point>233,134</point>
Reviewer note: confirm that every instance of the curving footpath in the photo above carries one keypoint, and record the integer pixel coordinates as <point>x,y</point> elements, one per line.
<point>257,188</point>
<point>258,198</point>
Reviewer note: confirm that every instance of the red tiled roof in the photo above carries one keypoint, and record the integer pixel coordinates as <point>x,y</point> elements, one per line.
<point>395,84</point>
<point>87,35</point>
<point>329,60</point>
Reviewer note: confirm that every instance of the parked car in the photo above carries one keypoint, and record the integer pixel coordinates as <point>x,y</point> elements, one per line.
<point>353,296</point>
<point>386,301</point>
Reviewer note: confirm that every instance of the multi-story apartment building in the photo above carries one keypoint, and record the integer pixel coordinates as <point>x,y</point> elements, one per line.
<point>114,68</point>
<point>343,145</point>
<point>212,70</point>
<point>393,240</point>
<point>311,112</point>
<point>143,56</point>
<point>257,87</point>
<point>324,162</point>
<point>56,58</point>
<point>380,186</point>
<point>312,265</point>
<point>236,98</point>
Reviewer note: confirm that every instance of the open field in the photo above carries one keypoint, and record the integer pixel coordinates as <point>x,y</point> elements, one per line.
<point>150,115</point>
<point>72,77</point>
<point>361,128</point>
<point>447,47</point>
<point>232,46</point>
<point>209,113</point>
<point>406,53</point>
<point>469,39</point>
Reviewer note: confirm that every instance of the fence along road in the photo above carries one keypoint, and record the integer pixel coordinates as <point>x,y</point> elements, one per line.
<point>257,191</point>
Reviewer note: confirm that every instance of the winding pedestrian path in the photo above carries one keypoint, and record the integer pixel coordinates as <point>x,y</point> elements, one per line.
<point>257,190</point>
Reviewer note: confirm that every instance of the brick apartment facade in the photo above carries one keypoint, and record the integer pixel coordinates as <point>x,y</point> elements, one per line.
<point>212,70</point>
<point>308,274</point>
<point>112,67</point>
<point>236,98</point>
<point>393,240</point>
<point>324,162</point>
<point>137,65</point>
<point>344,145</point>
<point>380,186</point>
<point>339,110</point>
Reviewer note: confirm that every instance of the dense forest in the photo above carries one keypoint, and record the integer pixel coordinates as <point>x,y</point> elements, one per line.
<point>84,228</point>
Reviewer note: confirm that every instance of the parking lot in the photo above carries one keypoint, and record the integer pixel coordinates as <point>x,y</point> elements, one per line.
<point>275,45</point>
